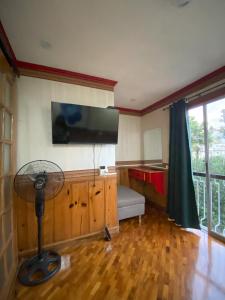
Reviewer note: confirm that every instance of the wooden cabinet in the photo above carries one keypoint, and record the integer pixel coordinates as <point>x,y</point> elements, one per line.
<point>62,214</point>
<point>111,203</point>
<point>27,224</point>
<point>81,208</point>
<point>97,205</point>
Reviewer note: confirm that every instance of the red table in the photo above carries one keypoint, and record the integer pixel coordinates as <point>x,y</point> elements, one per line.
<point>155,177</point>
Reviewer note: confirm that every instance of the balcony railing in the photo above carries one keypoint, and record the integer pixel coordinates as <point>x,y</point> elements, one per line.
<point>217,189</point>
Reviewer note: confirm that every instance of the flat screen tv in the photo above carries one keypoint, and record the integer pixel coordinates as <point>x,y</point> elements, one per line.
<point>79,124</point>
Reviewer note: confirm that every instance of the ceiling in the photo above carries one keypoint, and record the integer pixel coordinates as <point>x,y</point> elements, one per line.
<point>151,47</point>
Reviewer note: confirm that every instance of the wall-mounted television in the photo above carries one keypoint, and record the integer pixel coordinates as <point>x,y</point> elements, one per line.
<point>79,124</point>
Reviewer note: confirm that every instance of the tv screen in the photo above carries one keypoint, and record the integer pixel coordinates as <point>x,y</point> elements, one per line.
<point>72,123</point>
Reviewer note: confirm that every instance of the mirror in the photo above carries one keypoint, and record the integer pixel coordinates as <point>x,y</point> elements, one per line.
<point>153,144</point>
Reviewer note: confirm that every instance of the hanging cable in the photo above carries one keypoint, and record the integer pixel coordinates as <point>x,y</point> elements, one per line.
<point>99,155</point>
<point>94,161</point>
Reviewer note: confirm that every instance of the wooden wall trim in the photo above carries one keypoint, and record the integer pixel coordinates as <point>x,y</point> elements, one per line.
<point>50,73</point>
<point>129,111</point>
<point>210,97</point>
<point>88,174</point>
<point>45,72</point>
<point>69,243</point>
<point>137,162</point>
<point>195,86</point>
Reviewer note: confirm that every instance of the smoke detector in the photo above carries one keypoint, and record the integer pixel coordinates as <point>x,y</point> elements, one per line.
<point>182,3</point>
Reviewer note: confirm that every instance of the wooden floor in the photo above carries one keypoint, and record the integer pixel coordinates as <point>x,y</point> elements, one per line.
<point>156,260</point>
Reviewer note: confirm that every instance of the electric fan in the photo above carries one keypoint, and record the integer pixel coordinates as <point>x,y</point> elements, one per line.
<point>38,181</point>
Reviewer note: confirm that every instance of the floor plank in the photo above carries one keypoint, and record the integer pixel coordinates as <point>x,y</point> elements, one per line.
<point>155,260</point>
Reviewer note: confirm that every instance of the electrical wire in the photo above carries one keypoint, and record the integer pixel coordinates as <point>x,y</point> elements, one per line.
<point>94,161</point>
<point>99,155</point>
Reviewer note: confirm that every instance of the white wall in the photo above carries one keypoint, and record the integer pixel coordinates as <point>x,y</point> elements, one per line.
<point>131,132</point>
<point>158,119</point>
<point>152,140</point>
<point>34,136</point>
<point>129,140</point>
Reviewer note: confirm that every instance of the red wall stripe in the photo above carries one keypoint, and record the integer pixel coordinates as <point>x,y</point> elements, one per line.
<point>128,110</point>
<point>194,86</point>
<point>66,73</point>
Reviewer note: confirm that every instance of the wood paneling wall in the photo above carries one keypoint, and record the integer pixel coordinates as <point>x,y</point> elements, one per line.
<point>82,208</point>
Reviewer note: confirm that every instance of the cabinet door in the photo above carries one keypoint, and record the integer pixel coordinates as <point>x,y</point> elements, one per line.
<point>111,202</point>
<point>62,214</point>
<point>97,205</point>
<point>80,209</point>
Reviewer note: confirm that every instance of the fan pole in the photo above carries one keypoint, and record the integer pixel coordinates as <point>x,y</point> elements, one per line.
<point>39,236</point>
<point>39,209</point>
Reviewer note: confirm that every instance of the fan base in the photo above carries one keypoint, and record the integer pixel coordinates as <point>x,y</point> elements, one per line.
<point>37,269</point>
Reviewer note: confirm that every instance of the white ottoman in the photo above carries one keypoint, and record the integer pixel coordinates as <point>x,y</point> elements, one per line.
<point>130,203</point>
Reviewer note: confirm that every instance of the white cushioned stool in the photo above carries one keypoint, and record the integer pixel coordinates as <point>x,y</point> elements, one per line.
<point>130,203</point>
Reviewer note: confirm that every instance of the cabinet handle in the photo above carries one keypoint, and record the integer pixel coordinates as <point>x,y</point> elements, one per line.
<point>84,204</point>
<point>71,205</point>
<point>68,192</point>
<point>98,192</point>
<point>75,202</point>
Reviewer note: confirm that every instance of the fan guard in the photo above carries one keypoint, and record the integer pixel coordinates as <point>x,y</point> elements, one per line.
<point>25,177</point>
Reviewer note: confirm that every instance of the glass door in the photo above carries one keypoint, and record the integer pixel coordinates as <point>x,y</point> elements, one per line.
<point>207,128</point>
<point>216,162</point>
<point>198,155</point>
<point>8,254</point>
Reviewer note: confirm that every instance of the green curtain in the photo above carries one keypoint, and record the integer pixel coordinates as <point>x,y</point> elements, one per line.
<point>181,206</point>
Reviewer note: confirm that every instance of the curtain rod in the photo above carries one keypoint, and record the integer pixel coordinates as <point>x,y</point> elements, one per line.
<point>187,99</point>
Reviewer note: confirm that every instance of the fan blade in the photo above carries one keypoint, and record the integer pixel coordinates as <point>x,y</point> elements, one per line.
<point>32,177</point>
<point>29,169</point>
